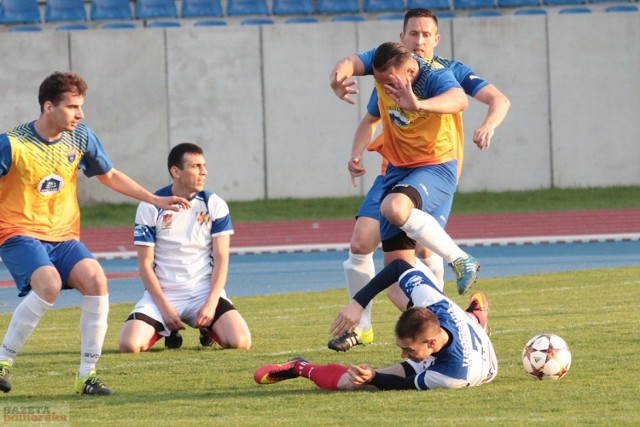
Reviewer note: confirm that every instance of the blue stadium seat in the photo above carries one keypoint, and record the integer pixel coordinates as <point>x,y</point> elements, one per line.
<point>484,13</point>
<point>247,7</point>
<point>382,5</point>
<point>119,26</point>
<point>201,8</point>
<point>19,12</point>
<point>445,14</point>
<point>428,4</point>
<point>561,2</point>
<point>257,21</point>
<point>338,6</point>
<point>110,9</point>
<point>347,18</point>
<point>210,23</point>
<point>391,17</point>
<point>530,12</point>
<point>292,7</point>
<point>473,4</point>
<point>302,20</point>
<point>518,3</point>
<point>622,8</point>
<point>163,24</point>
<point>25,29</point>
<point>568,10</point>
<point>150,9</point>
<point>65,10</point>
<point>72,27</point>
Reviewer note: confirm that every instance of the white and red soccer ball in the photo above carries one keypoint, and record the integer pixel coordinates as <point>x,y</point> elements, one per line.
<point>546,357</point>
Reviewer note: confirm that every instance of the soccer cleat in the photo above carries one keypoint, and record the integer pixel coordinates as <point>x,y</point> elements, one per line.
<point>273,373</point>
<point>351,339</point>
<point>5,384</point>
<point>91,385</point>
<point>479,307</point>
<point>174,340</point>
<point>465,270</point>
<point>205,340</point>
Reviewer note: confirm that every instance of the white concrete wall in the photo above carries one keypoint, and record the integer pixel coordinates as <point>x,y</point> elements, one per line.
<point>258,100</point>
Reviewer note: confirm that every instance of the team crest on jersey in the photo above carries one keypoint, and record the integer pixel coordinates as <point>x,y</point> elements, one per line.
<point>203,217</point>
<point>166,220</point>
<point>72,154</point>
<point>398,117</point>
<point>50,184</point>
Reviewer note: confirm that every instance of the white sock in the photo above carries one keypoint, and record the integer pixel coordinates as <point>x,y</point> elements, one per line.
<point>359,270</point>
<point>436,264</point>
<point>93,328</point>
<point>420,265</point>
<point>24,321</point>
<point>424,228</point>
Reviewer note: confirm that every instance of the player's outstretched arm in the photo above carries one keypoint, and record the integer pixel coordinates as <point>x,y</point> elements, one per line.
<point>341,81</point>
<point>499,106</point>
<point>123,184</point>
<point>361,139</point>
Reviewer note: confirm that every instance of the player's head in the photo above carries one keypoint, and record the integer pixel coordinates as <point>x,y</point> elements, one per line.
<point>417,331</point>
<point>393,59</point>
<point>187,168</point>
<point>61,96</point>
<point>420,32</point>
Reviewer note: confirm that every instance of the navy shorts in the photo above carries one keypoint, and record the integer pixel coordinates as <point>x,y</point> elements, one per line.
<point>23,255</point>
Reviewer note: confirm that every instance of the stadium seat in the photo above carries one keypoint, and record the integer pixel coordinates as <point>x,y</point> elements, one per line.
<point>151,9</point>
<point>568,10</point>
<point>163,24</point>
<point>247,7</point>
<point>622,8</point>
<point>257,21</point>
<point>25,29</point>
<point>302,20</point>
<point>292,7</point>
<point>445,14</point>
<point>518,3</point>
<point>210,23</point>
<point>428,4</point>
<point>19,12</point>
<point>72,27</point>
<point>110,9</point>
<point>201,8</point>
<point>338,6</point>
<point>390,17</point>
<point>119,26</point>
<point>64,10</point>
<point>561,2</point>
<point>484,13</point>
<point>530,12</point>
<point>382,5</point>
<point>473,4</point>
<point>347,18</point>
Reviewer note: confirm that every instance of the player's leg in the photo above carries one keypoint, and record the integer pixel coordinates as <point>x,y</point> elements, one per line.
<point>28,261</point>
<point>433,261</point>
<point>228,328</point>
<point>139,333</point>
<point>326,376</point>
<point>83,273</point>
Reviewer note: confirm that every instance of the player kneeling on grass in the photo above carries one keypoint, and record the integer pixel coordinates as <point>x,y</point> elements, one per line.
<point>446,346</point>
<point>183,258</point>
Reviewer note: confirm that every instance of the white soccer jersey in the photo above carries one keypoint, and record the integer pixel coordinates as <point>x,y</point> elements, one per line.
<point>469,359</point>
<point>182,240</point>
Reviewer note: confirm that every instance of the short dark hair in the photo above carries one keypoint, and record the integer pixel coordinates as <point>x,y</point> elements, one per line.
<point>54,87</point>
<point>176,155</point>
<point>417,322</point>
<point>390,54</point>
<point>418,13</point>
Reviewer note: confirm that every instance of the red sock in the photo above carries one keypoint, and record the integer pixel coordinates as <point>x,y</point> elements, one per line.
<point>212,335</point>
<point>325,377</point>
<point>153,340</point>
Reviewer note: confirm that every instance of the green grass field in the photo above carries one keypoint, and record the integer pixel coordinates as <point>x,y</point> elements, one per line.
<point>595,311</point>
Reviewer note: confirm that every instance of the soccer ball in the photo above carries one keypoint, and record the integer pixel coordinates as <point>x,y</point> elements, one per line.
<point>546,357</point>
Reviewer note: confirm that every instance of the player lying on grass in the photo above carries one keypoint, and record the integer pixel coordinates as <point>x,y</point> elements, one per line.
<point>445,346</point>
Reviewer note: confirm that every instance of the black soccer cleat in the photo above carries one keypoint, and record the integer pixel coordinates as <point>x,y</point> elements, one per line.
<point>174,340</point>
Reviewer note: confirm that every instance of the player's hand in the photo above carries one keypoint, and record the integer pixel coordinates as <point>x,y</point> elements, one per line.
<point>343,88</point>
<point>205,315</point>
<point>355,169</point>
<point>347,319</point>
<point>173,203</point>
<point>401,93</point>
<point>361,374</point>
<point>482,136</point>
<point>172,319</point>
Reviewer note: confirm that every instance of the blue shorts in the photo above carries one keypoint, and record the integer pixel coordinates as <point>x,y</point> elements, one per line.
<point>370,206</point>
<point>23,255</point>
<point>436,185</point>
